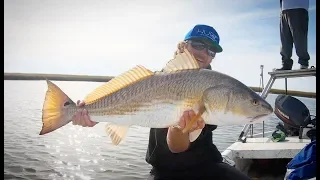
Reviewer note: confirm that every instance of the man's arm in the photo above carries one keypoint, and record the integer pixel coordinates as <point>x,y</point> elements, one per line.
<point>177,141</point>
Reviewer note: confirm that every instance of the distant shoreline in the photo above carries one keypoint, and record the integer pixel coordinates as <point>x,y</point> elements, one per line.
<point>90,78</point>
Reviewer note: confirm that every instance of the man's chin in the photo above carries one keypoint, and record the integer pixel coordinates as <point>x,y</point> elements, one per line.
<point>202,65</point>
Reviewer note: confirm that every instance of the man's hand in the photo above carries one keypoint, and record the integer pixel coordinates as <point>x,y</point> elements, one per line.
<point>81,117</point>
<point>177,140</point>
<point>186,118</point>
<point>180,48</point>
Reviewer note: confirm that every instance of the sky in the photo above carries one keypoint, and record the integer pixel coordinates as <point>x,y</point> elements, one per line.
<point>107,37</point>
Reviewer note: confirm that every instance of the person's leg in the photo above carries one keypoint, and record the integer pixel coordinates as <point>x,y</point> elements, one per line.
<point>298,21</point>
<point>226,172</point>
<point>286,43</point>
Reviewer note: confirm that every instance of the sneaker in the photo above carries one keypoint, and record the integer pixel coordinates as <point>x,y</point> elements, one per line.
<point>284,68</point>
<point>303,67</point>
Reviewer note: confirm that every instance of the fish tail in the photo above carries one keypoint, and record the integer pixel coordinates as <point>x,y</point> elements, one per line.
<point>55,109</point>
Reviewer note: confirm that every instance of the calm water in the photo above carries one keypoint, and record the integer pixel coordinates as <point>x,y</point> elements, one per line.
<point>75,152</point>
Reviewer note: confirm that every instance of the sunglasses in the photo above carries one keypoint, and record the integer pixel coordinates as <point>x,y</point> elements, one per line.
<point>200,46</point>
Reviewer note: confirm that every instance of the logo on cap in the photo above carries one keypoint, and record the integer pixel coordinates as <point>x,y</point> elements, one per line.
<point>209,34</point>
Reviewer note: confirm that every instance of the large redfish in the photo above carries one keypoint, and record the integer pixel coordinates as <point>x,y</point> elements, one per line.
<point>158,99</point>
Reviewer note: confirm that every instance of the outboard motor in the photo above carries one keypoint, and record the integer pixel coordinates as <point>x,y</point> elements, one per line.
<point>294,114</point>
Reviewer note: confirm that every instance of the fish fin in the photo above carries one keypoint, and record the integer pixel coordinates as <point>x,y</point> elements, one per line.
<point>135,74</point>
<point>182,61</point>
<point>194,135</point>
<point>54,111</point>
<point>202,109</point>
<point>116,132</point>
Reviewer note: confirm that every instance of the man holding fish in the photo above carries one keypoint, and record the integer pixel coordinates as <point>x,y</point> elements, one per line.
<point>170,152</point>
<point>182,105</point>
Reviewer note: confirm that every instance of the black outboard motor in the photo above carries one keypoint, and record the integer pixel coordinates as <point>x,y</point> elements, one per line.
<point>294,114</point>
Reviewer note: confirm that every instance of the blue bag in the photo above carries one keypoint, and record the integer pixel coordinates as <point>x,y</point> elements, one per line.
<point>303,165</point>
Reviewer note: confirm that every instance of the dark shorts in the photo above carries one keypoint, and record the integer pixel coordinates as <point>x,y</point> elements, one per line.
<point>210,171</point>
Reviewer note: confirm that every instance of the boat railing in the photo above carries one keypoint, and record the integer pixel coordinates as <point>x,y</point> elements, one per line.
<point>273,76</point>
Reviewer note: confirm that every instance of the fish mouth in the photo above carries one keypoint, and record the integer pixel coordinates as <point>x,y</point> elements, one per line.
<point>258,117</point>
<point>268,107</point>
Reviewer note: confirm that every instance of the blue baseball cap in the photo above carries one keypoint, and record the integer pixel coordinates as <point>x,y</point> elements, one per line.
<point>205,33</point>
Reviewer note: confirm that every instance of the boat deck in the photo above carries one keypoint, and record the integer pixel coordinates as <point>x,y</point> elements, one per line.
<point>265,148</point>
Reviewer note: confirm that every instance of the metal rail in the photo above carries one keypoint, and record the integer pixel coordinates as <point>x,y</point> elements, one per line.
<point>90,78</point>
<point>55,77</point>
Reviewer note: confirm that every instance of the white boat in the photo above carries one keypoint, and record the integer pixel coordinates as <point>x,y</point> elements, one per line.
<point>256,154</point>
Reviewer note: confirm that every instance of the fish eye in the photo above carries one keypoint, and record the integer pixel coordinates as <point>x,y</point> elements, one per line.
<point>254,102</point>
